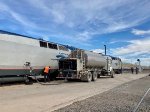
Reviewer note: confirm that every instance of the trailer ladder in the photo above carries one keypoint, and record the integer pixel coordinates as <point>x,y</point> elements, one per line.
<point>83,61</point>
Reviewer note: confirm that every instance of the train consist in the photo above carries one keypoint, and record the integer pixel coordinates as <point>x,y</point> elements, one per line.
<point>86,66</point>
<point>19,53</point>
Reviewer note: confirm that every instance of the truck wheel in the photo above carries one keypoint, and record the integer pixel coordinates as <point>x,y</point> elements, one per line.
<point>112,74</point>
<point>69,80</point>
<point>87,77</point>
<point>94,76</point>
<point>98,75</point>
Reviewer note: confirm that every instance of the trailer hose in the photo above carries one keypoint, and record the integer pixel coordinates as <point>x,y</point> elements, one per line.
<point>44,83</point>
<point>33,74</point>
<point>136,108</point>
<point>30,68</point>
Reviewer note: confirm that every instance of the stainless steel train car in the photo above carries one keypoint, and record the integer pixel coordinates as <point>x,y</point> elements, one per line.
<point>16,51</point>
<point>117,65</point>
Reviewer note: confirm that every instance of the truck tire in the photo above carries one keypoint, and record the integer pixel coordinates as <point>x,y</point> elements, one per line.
<point>87,77</point>
<point>112,74</point>
<point>94,76</point>
<point>69,80</point>
<point>98,75</point>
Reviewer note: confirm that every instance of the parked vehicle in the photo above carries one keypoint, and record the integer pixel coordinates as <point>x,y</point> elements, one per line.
<point>85,65</point>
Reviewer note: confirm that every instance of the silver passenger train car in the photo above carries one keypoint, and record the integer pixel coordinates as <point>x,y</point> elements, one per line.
<point>16,51</point>
<point>117,65</point>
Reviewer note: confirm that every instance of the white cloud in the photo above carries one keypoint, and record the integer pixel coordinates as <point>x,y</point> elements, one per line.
<point>136,49</point>
<point>140,32</point>
<point>144,61</point>
<point>136,46</point>
<point>83,36</point>
<point>79,20</point>
<point>114,41</point>
<point>94,16</point>
<point>16,16</point>
<point>98,50</point>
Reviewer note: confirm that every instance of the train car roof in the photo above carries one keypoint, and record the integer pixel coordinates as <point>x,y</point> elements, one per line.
<point>16,34</point>
<point>113,57</point>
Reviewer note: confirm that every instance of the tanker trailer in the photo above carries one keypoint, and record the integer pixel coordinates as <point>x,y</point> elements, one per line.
<point>85,65</point>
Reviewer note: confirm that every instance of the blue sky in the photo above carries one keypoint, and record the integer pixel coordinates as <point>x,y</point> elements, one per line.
<point>123,25</point>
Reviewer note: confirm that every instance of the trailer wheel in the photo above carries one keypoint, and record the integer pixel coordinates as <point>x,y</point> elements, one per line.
<point>94,76</point>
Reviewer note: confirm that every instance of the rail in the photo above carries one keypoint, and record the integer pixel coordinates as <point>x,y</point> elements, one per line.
<point>136,108</point>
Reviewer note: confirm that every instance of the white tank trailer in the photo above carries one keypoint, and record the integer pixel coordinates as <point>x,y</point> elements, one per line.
<point>85,65</point>
<point>18,53</point>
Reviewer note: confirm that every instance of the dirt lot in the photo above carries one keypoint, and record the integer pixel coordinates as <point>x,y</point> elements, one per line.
<point>40,98</point>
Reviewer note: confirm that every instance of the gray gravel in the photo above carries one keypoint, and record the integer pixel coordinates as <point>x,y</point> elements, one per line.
<point>123,98</point>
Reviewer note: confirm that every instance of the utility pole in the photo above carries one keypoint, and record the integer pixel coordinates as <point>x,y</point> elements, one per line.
<point>105,49</point>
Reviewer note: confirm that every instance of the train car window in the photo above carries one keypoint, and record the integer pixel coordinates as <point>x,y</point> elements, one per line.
<point>52,46</point>
<point>113,58</point>
<point>43,44</point>
<point>63,48</point>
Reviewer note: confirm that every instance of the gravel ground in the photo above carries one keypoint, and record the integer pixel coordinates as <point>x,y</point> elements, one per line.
<point>40,98</point>
<point>123,98</point>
